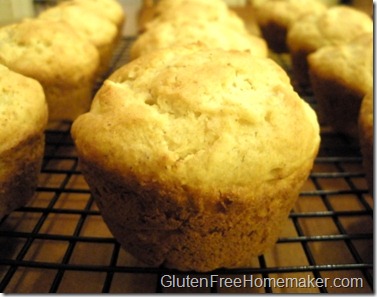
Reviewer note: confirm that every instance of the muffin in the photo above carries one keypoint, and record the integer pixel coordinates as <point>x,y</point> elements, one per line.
<point>193,164</point>
<point>340,77</point>
<point>23,118</point>
<point>275,17</point>
<point>215,10</point>
<point>165,34</point>
<point>247,15</point>
<point>52,53</point>
<point>257,3</point>
<point>165,5</point>
<point>112,10</point>
<point>102,33</point>
<point>338,25</point>
<point>366,137</point>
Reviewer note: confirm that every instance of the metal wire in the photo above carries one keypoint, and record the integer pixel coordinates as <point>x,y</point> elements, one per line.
<point>339,157</point>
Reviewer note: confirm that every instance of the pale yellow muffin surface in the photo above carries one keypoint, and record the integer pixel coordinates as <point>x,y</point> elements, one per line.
<point>338,25</point>
<point>109,9</point>
<point>193,163</point>
<point>275,17</point>
<point>102,33</point>
<point>53,54</point>
<point>340,77</point>
<point>164,34</point>
<point>351,63</point>
<point>198,10</point>
<point>23,118</point>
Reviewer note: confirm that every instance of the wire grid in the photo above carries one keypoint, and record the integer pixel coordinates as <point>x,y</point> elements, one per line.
<point>59,243</point>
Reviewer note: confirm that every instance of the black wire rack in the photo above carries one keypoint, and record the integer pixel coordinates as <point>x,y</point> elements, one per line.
<point>59,243</point>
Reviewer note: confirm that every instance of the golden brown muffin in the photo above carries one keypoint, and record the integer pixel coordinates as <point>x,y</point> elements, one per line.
<point>102,33</point>
<point>23,118</point>
<point>164,34</point>
<point>112,10</point>
<point>366,136</point>
<point>340,78</point>
<point>52,53</point>
<point>338,25</point>
<point>275,17</point>
<point>193,163</point>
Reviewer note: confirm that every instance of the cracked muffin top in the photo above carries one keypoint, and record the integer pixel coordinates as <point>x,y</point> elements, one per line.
<point>48,51</point>
<point>86,23</point>
<point>217,11</point>
<point>165,34</point>
<point>337,25</point>
<point>201,117</point>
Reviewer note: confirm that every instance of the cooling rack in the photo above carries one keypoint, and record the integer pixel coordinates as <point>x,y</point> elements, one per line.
<point>59,243</point>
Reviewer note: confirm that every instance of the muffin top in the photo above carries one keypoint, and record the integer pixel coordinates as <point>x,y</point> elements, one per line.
<point>172,4</point>
<point>286,12</point>
<point>198,117</point>
<point>23,109</point>
<point>85,22</point>
<point>337,25</point>
<point>48,51</point>
<point>350,63</point>
<point>217,10</point>
<point>109,9</point>
<point>164,34</point>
